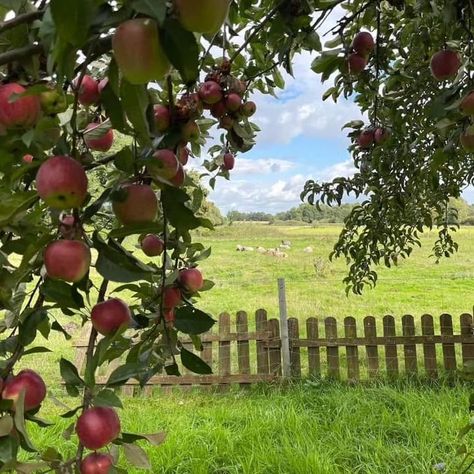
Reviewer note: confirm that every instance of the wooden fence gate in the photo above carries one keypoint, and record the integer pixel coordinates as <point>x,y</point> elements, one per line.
<point>320,349</point>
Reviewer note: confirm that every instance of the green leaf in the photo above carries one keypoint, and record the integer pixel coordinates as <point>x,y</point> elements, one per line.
<point>154,439</point>
<point>116,264</point>
<point>153,8</point>
<point>136,456</point>
<point>113,108</point>
<point>135,101</point>
<point>19,418</point>
<point>6,425</point>
<point>182,50</point>
<point>179,215</point>
<point>12,204</point>
<point>191,320</point>
<point>71,377</point>
<point>60,292</point>
<point>72,19</point>
<point>107,398</point>
<point>8,449</point>
<point>124,160</point>
<point>121,374</point>
<point>30,324</point>
<point>36,350</point>
<point>194,363</point>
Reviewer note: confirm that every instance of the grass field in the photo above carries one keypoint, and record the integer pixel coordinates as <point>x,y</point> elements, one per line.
<point>314,426</point>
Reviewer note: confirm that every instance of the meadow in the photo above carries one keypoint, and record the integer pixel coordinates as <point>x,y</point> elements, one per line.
<point>313,426</point>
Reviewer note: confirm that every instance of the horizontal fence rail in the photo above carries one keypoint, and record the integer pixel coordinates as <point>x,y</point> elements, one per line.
<point>352,351</point>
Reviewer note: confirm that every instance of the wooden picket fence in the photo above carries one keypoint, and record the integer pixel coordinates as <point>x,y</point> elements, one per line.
<point>319,349</point>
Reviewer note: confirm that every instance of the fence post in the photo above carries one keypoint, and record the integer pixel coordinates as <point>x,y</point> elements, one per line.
<point>285,343</point>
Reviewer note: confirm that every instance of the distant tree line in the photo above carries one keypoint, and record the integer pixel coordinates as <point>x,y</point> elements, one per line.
<point>459,211</point>
<point>302,213</point>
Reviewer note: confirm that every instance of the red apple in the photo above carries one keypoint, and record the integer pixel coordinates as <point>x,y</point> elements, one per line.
<point>171,297</point>
<point>190,132</point>
<point>229,161</point>
<point>62,182</point>
<point>18,111</point>
<point>226,122</point>
<point>178,179</point>
<point>218,110</point>
<point>233,102</point>
<point>162,117</point>
<point>88,90</point>
<point>191,279</point>
<point>163,165</point>
<point>365,139</point>
<point>210,92</point>
<point>205,16</point>
<point>248,109</point>
<point>97,427</point>
<point>356,63</point>
<point>138,52</point>
<point>67,260</point>
<point>96,463</point>
<point>28,158</point>
<point>363,43</point>
<point>137,205</point>
<point>169,317</point>
<point>381,135</point>
<point>111,315</point>
<point>445,64</point>
<point>32,384</point>
<point>183,155</point>
<point>467,104</point>
<point>98,139</point>
<point>467,139</point>
<point>152,245</point>
<point>102,84</point>
<point>238,86</point>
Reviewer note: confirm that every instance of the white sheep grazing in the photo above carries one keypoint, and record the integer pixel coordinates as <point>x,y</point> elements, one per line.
<point>261,249</point>
<point>308,250</point>
<point>281,254</point>
<point>286,242</point>
<point>284,247</point>
<point>240,248</point>
<point>249,249</point>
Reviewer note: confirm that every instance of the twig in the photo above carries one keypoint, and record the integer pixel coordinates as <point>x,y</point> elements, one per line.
<point>20,53</point>
<point>256,30</point>
<point>341,24</point>
<point>377,65</point>
<point>86,399</point>
<point>20,20</point>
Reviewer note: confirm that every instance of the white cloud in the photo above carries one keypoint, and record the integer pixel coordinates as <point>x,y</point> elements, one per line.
<point>273,196</point>
<point>244,166</point>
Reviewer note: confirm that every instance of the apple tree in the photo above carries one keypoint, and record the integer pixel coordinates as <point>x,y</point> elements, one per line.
<point>173,78</point>
<point>408,65</point>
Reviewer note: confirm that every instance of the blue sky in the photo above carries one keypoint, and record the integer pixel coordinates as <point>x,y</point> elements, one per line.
<point>301,139</point>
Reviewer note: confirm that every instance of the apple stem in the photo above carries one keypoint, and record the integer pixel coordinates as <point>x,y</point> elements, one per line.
<point>87,395</point>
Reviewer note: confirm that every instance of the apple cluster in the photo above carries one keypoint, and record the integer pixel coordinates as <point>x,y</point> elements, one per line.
<point>372,135</point>
<point>362,46</point>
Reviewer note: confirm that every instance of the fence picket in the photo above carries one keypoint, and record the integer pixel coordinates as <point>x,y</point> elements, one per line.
<point>243,353</point>
<point>262,350</point>
<point>352,352</point>
<point>295,355</point>
<point>314,357</point>
<point>449,354</point>
<point>332,351</point>
<point>370,331</point>
<point>467,330</point>
<point>224,346</point>
<point>274,353</point>
<point>391,350</point>
<point>429,349</point>
<point>408,326</point>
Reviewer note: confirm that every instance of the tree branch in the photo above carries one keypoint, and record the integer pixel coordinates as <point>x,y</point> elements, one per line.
<point>20,53</point>
<point>20,20</point>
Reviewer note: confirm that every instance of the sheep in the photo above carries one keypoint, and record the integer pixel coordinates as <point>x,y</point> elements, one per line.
<point>261,249</point>
<point>308,250</point>
<point>286,242</point>
<point>284,247</point>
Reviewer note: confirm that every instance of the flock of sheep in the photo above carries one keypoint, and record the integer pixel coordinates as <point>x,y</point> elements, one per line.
<point>274,252</point>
